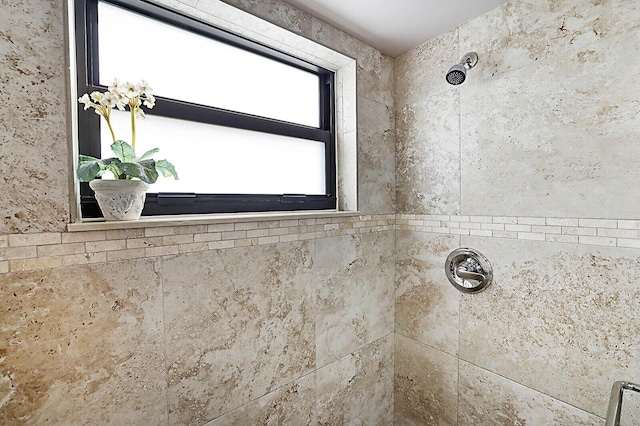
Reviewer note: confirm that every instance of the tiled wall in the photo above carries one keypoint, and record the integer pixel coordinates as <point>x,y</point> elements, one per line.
<point>251,322</point>
<point>529,161</point>
<point>532,161</point>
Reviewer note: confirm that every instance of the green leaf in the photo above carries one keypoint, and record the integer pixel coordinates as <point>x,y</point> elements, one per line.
<point>123,151</point>
<point>167,169</point>
<point>145,170</point>
<point>88,168</point>
<point>148,154</point>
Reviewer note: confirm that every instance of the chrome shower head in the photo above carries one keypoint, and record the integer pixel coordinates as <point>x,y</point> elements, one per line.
<point>457,74</point>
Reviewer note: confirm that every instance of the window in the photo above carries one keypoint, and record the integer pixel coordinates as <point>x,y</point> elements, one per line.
<point>248,128</point>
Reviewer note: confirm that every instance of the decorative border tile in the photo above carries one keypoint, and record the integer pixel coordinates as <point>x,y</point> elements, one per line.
<point>27,252</point>
<point>599,232</point>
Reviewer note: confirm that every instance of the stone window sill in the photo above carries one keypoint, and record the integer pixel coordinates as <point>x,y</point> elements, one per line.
<point>182,220</point>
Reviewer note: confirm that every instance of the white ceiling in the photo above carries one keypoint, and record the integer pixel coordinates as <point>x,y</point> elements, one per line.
<point>395,26</point>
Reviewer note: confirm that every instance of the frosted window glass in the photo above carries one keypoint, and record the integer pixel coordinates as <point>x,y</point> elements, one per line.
<point>182,65</point>
<point>223,160</point>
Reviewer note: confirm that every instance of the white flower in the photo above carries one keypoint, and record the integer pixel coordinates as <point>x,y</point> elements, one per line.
<point>84,99</point>
<point>144,88</point>
<point>96,96</point>
<point>130,91</point>
<point>116,86</point>
<point>150,101</point>
<point>110,100</point>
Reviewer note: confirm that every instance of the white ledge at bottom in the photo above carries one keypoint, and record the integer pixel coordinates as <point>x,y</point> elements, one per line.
<point>100,224</point>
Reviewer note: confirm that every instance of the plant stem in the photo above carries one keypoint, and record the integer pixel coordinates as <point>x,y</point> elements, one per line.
<point>113,135</point>
<point>133,127</point>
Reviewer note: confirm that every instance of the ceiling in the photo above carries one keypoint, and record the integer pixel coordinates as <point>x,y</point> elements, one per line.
<point>395,27</point>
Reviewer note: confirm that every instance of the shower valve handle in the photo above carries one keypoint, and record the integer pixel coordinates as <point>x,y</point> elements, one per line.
<point>469,275</point>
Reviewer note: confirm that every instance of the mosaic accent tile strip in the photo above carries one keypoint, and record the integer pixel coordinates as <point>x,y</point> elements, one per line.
<point>598,232</point>
<point>27,252</point>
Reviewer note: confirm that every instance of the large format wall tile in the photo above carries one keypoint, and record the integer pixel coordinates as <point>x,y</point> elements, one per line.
<point>33,138</point>
<point>425,385</point>
<point>83,343</point>
<point>426,303</point>
<point>376,157</point>
<point>562,146</point>
<point>562,319</point>
<point>292,404</point>
<point>420,73</point>
<point>355,293</point>
<point>277,12</point>
<point>239,324</point>
<point>507,40</point>
<point>358,389</point>
<point>428,155</point>
<point>488,399</point>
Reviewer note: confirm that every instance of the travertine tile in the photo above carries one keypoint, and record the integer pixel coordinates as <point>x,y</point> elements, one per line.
<point>559,318</point>
<point>427,304</point>
<point>428,156</point>
<point>35,196</point>
<point>519,33</point>
<point>239,324</point>
<point>572,153</point>
<point>425,385</point>
<point>358,388</point>
<point>488,399</point>
<point>376,157</point>
<point>292,404</point>
<point>82,343</point>
<point>277,12</point>
<point>355,293</point>
<point>420,73</point>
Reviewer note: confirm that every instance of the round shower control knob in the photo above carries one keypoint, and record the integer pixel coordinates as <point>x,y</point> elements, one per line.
<point>468,270</point>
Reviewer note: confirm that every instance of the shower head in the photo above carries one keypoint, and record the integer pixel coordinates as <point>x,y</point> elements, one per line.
<point>458,73</point>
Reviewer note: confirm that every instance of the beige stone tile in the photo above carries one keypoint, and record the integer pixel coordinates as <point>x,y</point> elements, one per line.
<point>572,154</point>
<point>83,345</point>
<point>34,188</point>
<point>488,399</point>
<point>61,249</point>
<point>425,385</point>
<point>107,245</point>
<point>35,264</point>
<point>376,157</point>
<point>358,388</point>
<point>275,11</point>
<point>22,240</point>
<point>519,33</point>
<point>428,156</point>
<point>355,293</point>
<point>420,73</point>
<point>239,324</point>
<point>84,259</point>
<point>79,237</point>
<point>144,242</point>
<point>123,234</point>
<point>427,305</point>
<point>292,404</point>
<point>630,414</point>
<point>559,318</point>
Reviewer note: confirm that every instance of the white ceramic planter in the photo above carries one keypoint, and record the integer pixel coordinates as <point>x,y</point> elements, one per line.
<point>120,199</point>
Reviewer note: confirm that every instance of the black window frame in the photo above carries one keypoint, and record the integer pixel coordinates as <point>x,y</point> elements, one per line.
<point>87,56</point>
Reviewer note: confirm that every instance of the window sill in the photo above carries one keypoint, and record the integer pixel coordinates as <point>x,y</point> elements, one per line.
<point>183,220</point>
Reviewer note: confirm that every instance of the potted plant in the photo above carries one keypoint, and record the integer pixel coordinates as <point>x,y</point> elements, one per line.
<point>122,198</point>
